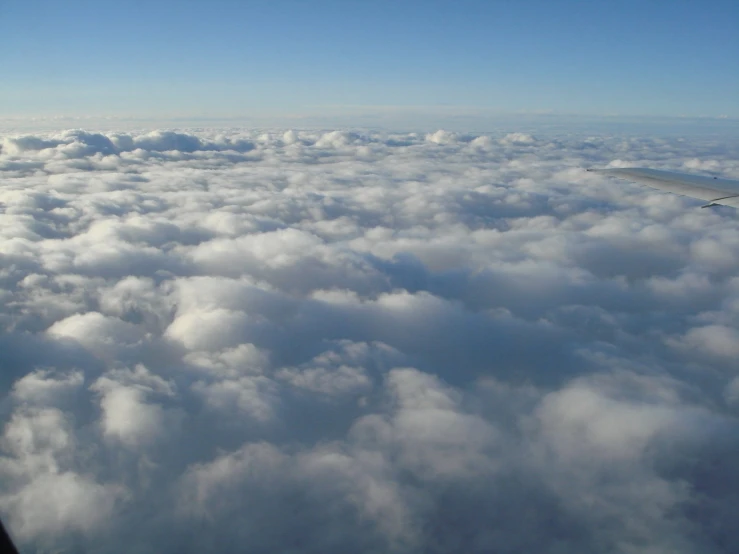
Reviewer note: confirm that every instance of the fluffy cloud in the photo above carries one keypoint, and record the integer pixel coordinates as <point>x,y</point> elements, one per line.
<point>344,341</point>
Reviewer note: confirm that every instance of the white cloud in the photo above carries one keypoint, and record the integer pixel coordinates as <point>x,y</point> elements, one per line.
<point>254,396</point>
<point>717,340</point>
<point>127,415</point>
<point>518,138</point>
<point>365,341</point>
<point>330,373</point>
<point>44,388</point>
<point>54,505</point>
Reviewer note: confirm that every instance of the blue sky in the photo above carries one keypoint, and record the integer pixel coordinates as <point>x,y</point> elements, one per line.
<point>223,58</point>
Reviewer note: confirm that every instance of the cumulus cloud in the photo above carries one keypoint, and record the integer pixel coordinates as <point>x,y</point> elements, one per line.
<point>221,340</point>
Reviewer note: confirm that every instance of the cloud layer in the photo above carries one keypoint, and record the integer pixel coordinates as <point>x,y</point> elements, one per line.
<point>334,341</point>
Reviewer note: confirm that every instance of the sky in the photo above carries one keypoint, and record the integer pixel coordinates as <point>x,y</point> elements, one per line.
<point>334,341</point>
<point>168,58</point>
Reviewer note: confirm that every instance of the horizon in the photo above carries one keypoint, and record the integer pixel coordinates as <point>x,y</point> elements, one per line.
<point>400,121</point>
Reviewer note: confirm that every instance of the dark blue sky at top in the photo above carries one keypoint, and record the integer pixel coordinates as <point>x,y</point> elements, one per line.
<point>235,57</point>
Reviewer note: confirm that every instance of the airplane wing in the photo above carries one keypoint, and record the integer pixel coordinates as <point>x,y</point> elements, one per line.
<point>713,190</point>
<point>6,544</point>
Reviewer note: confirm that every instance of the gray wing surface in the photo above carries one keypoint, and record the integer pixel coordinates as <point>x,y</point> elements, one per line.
<point>710,189</point>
